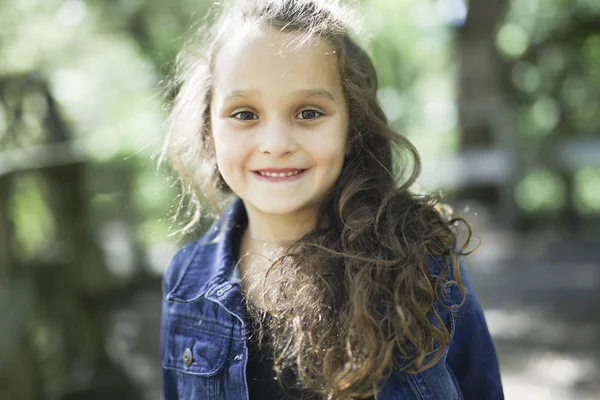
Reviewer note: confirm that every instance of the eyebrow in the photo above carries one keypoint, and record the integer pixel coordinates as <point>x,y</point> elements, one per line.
<point>305,93</point>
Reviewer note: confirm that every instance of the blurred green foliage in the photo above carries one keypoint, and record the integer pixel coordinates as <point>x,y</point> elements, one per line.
<point>103,64</point>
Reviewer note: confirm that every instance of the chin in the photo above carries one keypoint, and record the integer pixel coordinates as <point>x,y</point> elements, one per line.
<point>280,208</point>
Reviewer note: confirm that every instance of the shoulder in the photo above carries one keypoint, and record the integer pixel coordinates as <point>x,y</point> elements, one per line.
<point>192,262</point>
<point>452,290</point>
<point>196,266</point>
<point>457,297</point>
<point>179,263</point>
<point>448,276</point>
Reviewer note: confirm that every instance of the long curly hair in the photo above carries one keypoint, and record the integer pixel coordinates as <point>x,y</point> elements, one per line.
<point>350,303</point>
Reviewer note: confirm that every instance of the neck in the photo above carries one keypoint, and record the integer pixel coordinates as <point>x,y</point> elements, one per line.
<point>265,239</point>
<point>278,230</point>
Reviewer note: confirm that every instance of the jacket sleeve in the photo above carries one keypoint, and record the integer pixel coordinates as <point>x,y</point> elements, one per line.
<point>170,278</point>
<point>168,383</point>
<point>472,356</point>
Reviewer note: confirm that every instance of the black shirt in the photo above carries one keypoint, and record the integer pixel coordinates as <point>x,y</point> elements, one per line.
<point>262,383</point>
<point>261,377</point>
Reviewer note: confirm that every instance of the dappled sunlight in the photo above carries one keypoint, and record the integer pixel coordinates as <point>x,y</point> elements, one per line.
<point>502,104</point>
<point>71,12</point>
<point>546,336</point>
<point>529,324</point>
<point>549,376</point>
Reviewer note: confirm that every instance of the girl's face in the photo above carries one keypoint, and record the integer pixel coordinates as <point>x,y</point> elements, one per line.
<point>279,121</point>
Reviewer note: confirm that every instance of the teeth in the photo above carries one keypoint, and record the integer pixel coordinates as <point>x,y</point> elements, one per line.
<point>279,175</point>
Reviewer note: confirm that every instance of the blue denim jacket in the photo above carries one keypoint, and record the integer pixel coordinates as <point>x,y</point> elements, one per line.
<point>203,333</point>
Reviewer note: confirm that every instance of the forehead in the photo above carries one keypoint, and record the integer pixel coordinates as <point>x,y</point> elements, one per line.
<point>262,58</point>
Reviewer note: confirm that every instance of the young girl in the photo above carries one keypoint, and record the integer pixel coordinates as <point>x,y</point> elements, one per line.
<point>325,277</point>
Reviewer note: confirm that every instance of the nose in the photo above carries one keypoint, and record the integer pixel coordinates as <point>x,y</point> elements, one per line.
<point>277,138</point>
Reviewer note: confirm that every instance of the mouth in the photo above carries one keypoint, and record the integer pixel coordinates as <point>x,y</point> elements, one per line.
<point>281,175</point>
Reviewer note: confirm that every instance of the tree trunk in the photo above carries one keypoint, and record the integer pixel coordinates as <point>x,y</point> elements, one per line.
<point>485,93</point>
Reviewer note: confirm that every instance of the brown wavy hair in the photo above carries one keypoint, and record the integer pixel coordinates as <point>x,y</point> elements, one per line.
<point>350,303</point>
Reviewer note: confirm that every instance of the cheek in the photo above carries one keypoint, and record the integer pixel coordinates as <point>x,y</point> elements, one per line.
<point>230,157</point>
<point>330,151</point>
<point>329,162</point>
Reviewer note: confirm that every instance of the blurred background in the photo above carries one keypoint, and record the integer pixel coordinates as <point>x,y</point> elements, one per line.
<point>501,97</point>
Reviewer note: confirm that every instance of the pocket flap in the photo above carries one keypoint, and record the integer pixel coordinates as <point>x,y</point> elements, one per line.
<point>195,352</point>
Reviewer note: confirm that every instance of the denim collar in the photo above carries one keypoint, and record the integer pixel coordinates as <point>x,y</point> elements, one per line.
<point>210,267</point>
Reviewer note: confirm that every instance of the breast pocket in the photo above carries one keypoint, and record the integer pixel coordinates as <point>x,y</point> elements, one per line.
<point>197,354</point>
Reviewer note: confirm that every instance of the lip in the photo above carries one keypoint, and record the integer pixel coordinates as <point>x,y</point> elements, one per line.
<point>279,171</point>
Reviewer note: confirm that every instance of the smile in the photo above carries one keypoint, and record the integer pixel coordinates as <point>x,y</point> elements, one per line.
<point>285,175</point>
<point>280,174</point>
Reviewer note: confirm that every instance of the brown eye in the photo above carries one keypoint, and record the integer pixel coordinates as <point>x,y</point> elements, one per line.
<point>309,114</point>
<point>245,115</point>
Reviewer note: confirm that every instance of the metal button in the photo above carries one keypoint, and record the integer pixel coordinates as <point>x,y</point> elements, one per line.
<point>238,357</point>
<point>187,357</point>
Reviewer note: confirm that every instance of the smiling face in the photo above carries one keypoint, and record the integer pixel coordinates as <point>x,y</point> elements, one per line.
<point>279,121</point>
